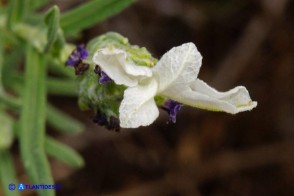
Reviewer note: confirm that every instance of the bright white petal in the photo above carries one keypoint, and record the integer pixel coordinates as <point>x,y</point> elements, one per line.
<point>138,107</point>
<point>180,65</point>
<point>113,62</point>
<point>201,95</point>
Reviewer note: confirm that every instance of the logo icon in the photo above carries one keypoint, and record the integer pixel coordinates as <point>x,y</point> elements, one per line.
<point>11,187</point>
<point>20,187</point>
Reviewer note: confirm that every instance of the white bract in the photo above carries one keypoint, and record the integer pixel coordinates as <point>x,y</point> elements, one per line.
<point>173,77</point>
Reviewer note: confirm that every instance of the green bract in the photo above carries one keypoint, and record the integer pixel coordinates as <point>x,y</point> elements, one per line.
<point>135,54</point>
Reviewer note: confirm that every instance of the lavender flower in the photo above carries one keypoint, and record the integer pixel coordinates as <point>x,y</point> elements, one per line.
<point>104,78</point>
<point>76,59</point>
<point>172,108</point>
<point>111,123</point>
<point>82,51</point>
<point>79,54</point>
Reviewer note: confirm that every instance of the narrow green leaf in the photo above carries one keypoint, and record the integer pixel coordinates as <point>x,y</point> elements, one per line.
<point>6,99</point>
<point>11,61</point>
<point>62,87</point>
<point>9,101</point>
<point>15,86</point>
<point>58,68</point>
<point>34,35</point>
<point>52,22</point>
<point>17,11</point>
<point>57,65</point>
<point>6,130</point>
<point>1,64</point>
<point>63,153</point>
<point>32,122</point>
<point>7,173</point>
<point>91,13</point>
<point>58,44</point>
<point>56,118</point>
<point>62,121</point>
<point>35,4</point>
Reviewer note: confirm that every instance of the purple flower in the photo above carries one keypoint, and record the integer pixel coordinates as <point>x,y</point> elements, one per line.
<point>110,123</point>
<point>172,108</point>
<point>82,51</point>
<point>104,78</point>
<point>73,60</point>
<point>100,118</point>
<point>76,57</point>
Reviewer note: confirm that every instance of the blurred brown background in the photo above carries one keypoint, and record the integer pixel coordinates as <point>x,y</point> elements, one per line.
<point>243,42</point>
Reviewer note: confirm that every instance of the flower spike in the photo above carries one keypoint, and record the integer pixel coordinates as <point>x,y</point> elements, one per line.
<point>104,78</point>
<point>141,83</point>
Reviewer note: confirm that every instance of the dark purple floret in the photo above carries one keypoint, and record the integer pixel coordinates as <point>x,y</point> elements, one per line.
<point>82,51</point>
<point>76,57</point>
<point>81,68</point>
<point>104,78</point>
<point>172,107</point>
<point>111,123</point>
<point>100,118</point>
